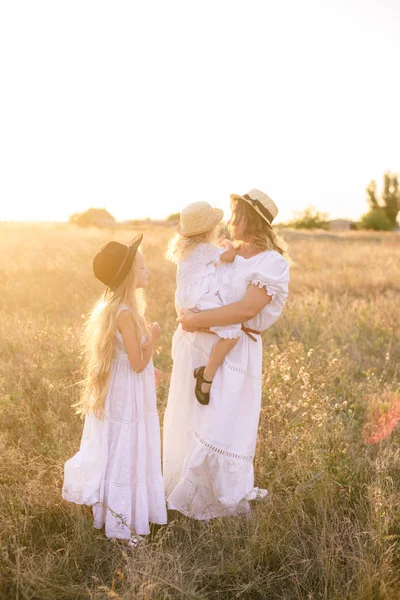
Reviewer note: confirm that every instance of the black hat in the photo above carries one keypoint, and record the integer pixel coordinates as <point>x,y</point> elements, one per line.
<point>112,264</point>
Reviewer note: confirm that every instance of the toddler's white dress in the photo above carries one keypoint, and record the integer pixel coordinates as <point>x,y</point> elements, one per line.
<point>118,467</point>
<point>199,279</point>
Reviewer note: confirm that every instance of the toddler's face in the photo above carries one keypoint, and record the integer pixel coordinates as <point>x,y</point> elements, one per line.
<point>213,235</point>
<point>141,273</point>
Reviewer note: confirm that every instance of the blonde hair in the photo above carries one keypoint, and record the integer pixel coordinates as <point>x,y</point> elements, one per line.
<point>257,229</point>
<point>181,245</point>
<point>99,341</point>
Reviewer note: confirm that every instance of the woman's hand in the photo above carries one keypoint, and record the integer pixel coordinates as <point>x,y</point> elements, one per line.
<point>187,320</point>
<point>155,331</point>
<point>158,375</point>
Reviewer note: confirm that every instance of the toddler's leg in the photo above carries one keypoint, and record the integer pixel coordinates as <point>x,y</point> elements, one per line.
<point>218,355</point>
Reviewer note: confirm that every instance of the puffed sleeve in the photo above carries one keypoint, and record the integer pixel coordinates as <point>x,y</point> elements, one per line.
<point>271,272</point>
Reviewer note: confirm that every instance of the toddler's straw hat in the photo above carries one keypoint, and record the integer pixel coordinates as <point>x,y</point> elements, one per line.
<point>199,217</point>
<point>266,208</point>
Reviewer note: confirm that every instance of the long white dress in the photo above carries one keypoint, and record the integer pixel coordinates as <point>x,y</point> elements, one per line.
<point>208,451</point>
<point>118,467</point>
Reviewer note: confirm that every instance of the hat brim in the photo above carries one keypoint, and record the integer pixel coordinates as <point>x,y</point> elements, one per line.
<point>218,216</point>
<point>132,250</point>
<point>258,211</point>
<point>135,243</point>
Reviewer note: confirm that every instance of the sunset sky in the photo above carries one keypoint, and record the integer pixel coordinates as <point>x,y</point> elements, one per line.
<point>143,107</point>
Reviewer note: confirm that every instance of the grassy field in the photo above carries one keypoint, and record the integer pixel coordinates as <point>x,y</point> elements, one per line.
<point>331,528</point>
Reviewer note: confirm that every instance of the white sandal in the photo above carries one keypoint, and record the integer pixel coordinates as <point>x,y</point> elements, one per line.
<point>132,543</point>
<point>257,494</point>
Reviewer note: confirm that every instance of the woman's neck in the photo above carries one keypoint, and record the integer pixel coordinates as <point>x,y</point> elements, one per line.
<point>247,249</point>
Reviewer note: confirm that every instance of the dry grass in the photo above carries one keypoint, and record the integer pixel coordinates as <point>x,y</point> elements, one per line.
<point>331,529</point>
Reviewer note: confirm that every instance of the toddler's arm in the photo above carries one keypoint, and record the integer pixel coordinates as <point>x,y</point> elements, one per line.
<point>230,251</point>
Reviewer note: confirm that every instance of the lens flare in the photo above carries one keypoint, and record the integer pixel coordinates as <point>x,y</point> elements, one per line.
<point>384,418</point>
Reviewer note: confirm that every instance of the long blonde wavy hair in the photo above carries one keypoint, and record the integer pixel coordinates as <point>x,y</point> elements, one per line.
<point>181,245</point>
<point>256,229</point>
<point>99,341</point>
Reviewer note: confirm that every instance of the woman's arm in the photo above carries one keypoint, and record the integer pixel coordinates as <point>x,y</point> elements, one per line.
<point>139,357</point>
<point>252,303</point>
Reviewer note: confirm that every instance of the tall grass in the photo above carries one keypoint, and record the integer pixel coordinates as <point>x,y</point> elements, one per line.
<point>331,527</point>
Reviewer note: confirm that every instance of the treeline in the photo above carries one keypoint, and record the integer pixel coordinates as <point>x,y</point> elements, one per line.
<point>381,216</point>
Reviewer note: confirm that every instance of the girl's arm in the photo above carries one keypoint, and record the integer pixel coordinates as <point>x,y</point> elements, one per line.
<point>228,255</point>
<point>139,357</point>
<point>252,303</point>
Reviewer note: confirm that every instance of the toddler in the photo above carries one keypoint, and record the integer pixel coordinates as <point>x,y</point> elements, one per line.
<point>199,280</point>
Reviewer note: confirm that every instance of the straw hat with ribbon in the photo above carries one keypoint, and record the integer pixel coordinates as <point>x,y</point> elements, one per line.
<point>199,217</point>
<point>262,204</point>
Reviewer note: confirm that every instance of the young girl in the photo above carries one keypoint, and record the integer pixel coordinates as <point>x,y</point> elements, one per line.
<point>199,281</point>
<point>118,467</point>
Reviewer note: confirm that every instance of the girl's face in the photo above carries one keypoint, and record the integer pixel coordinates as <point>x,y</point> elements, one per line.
<point>141,273</point>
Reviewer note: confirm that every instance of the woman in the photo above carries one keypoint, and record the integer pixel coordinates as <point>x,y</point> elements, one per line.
<point>209,450</point>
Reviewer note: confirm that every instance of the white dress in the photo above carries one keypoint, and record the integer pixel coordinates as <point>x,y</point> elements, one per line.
<point>199,281</point>
<point>208,451</point>
<point>118,467</point>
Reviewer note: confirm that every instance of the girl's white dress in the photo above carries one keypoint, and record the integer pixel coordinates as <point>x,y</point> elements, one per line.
<point>118,467</point>
<point>199,282</point>
<point>209,450</point>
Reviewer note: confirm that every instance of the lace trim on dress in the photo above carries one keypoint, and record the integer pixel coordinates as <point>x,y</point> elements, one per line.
<point>124,422</point>
<point>125,485</point>
<point>216,450</point>
<point>226,363</point>
<point>68,493</point>
<point>261,281</point>
<point>230,335</point>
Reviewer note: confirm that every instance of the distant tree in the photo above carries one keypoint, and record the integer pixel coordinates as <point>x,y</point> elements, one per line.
<point>174,217</point>
<point>371,194</point>
<point>376,219</point>
<point>310,218</point>
<point>95,217</point>
<point>384,210</point>
<point>391,196</point>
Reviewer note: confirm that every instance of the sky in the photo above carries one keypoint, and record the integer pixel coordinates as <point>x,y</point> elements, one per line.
<point>142,107</point>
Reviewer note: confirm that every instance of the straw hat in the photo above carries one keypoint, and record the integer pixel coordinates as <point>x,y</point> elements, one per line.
<point>199,217</point>
<point>266,208</point>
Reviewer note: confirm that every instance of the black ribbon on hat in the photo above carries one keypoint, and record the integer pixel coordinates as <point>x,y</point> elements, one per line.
<point>262,208</point>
